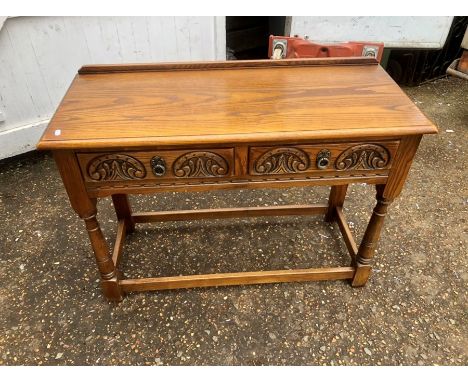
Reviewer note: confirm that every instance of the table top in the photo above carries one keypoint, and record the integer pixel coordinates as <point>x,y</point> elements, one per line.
<point>231,102</point>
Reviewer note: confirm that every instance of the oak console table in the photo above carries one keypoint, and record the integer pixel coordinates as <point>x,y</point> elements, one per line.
<point>144,128</point>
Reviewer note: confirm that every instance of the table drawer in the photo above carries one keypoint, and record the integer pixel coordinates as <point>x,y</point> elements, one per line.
<point>332,159</point>
<point>157,165</point>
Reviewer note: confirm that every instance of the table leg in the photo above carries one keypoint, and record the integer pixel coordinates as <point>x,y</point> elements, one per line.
<point>107,269</point>
<point>370,239</point>
<point>123,210</point>
<point>336,199</point>
<point>85,207</point>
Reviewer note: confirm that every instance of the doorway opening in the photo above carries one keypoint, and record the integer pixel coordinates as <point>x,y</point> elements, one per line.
<point>247,36</point>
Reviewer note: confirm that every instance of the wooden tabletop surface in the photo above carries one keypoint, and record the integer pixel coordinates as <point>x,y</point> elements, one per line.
<point>170,104</point>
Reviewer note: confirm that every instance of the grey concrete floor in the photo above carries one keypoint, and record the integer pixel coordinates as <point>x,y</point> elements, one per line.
<point>413,310</point>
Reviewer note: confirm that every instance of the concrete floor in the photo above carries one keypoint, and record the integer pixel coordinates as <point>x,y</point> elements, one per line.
<point>413,311</point>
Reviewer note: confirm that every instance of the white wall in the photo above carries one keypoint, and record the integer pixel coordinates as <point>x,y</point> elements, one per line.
<point>393,31</point>
<point>39,57</point>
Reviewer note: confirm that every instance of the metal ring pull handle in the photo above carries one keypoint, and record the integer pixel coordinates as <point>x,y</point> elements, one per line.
<point>158,165</point>
<point>323,159</point>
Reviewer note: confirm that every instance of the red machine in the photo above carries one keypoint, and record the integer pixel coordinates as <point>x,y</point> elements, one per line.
<point>296,47</point>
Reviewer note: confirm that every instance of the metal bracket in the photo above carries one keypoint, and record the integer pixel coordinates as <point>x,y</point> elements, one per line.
<point>370,51</point>
<point>280,49</point>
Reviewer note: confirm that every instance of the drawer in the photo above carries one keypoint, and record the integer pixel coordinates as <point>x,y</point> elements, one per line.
<point>157,165</point>
<point>332,159</point>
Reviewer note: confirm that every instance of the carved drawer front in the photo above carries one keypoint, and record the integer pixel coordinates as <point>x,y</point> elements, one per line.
<point>322,159</point>
<point>157,165</point>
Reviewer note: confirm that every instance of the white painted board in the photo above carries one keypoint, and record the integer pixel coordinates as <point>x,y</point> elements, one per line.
<point>394,31</point>
<point>39,56</point>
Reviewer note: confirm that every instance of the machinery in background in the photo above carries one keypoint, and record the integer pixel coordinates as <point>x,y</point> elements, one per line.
<point>407,65</point>
<point>281,47</point>
<point>459,67</point>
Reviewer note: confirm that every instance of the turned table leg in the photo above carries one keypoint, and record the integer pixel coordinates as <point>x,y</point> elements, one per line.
<point>123,210</point>
<point>107,269</point>
<point>85,207</point>
<point>336,199</point>
<point>370,239</point>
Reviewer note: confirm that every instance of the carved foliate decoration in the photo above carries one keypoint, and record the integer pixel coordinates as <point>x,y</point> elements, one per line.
<point>115,167</point>
<point>363,157</point>
<point>286,160</point>
<point>200,164</point>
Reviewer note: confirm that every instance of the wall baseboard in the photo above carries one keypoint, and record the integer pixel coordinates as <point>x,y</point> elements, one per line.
<point>21,139</point>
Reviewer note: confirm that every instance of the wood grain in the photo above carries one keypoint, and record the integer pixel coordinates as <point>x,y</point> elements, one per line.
<point>223,213</point>
<point>311,152</point>
<point>346,233</point>
<point>370,239</point>
<point>119,242</point>
<point>403,160</point>
<point>212,65</point>
<point>123,211</point>
<point>240,278</point>
<point>169,157</point>
<point>130,187</point>
<point>263,125</point>
<point>224,106</point>
<point>241,164</point>
<point>336,199</point>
